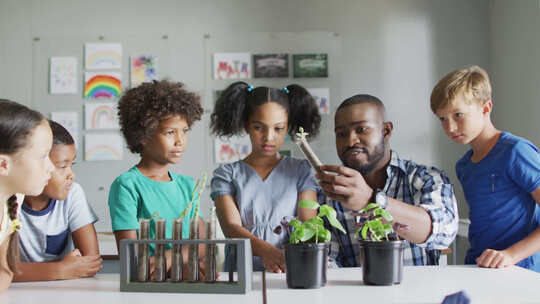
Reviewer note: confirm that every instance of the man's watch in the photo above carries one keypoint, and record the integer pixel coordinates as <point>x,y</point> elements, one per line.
<point>380,198</point>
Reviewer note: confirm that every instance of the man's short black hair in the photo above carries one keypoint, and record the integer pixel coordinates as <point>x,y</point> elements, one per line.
<point>361,98</point>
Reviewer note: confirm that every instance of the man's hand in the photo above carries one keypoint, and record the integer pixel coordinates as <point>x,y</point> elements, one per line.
<point>347,186</point>
<point>75,266</point>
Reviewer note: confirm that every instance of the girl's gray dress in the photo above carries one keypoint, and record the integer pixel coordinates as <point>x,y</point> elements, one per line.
<point>263,204</point>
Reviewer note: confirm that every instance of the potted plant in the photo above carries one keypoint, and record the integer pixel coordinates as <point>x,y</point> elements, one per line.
<point>381,250</point>
<point>306,254</point>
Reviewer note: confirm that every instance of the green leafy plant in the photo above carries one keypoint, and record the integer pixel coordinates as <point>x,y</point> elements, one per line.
<point>312,230</point>
<point>376,224</point>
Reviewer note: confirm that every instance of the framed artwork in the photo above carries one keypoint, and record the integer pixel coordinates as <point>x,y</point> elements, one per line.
<point>63,75</point>
<point>100,115</point>
<point>102,85</point>
<point>103,147</point>
<point>270,65</point>
<point>102,56</point>
<point>310,65</point>
<point>143,68</point>
<point>232,66</point>
<point>232,149</point>
<point>322,98</point>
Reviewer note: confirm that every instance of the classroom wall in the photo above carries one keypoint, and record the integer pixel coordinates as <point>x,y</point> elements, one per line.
<point>515,49</point>
<point>396,50</point>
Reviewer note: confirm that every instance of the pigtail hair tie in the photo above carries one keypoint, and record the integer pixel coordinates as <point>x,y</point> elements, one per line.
<point>250,88</point>
<point>286,90</point>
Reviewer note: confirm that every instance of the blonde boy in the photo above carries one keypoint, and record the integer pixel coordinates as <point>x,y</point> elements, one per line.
<point>500,175</point>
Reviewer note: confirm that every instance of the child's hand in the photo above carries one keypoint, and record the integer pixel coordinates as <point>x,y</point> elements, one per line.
<point>74,265</point>
<point>491,258</point>
<point>273,259</point>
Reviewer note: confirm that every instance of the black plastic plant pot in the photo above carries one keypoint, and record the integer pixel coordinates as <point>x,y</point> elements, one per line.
<point>306,265</point>
<point>382,262</point>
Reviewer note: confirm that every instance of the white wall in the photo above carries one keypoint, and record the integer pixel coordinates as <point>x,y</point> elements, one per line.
<point>396,50</point>
<point>515,67</point>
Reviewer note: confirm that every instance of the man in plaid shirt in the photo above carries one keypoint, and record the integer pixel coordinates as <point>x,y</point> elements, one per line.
<point>417,196</point>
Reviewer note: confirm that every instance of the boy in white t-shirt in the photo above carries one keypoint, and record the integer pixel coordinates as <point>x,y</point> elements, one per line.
<point>57,238</point>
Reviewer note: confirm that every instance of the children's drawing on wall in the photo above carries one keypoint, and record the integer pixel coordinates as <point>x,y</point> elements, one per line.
<point>231,149</point>
<point>143,69</point>
<point>271,65</point>
<point>102,56</point>
<point>102,146</point>
<point>232,66</point>
<point>63,75</point>
<point>99,115</point>
<point>70,121</point>
<point>310,65</point>
<point>102,85</point>
<point>322,97</point>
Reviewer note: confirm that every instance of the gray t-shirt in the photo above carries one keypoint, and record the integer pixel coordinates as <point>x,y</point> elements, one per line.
<point>263,204</point>
<point>45,235</point>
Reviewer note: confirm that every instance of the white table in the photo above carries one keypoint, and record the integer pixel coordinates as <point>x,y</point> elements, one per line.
<point>420,285</point>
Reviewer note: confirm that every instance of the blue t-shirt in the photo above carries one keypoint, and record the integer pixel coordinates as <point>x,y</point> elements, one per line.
<point>498,191</point>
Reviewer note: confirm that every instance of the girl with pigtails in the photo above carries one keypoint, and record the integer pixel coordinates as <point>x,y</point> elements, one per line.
<point>25,168</point>
<point>253,195</point>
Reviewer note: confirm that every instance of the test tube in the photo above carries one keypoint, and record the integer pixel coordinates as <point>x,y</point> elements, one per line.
<point>211,249</point>
<point>142,255</point>
<point>193,253</point>
<point>160,266</point>
<point>177,258</point>
<point>310,155</point>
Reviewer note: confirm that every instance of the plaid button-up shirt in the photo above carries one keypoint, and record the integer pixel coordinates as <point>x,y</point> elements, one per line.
<point>425,187</point>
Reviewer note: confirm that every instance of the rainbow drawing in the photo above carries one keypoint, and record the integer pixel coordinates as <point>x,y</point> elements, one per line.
<point>103,147</point>
<point>102,85</point>
<point>99,56</point>
<point>101,116</point>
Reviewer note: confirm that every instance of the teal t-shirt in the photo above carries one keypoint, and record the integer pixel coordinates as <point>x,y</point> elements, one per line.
<point>133,196</point>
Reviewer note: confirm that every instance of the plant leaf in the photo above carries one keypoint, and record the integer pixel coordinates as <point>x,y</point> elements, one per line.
<point>316,221</point>
<point>364,232</point>
<point>387,228</point>
<point>331,215</point>
<point>308,233</point>
<point>336,224</point>
<point>308,204</point>
<point>323,210</point>
<point>368,207</point>
<point>385,214</point>
<point>295,223</point>
<point>293,239</point>
<point>324,235</point>
<point>297,234</point>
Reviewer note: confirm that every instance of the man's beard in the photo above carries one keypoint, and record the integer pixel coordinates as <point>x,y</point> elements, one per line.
<point>373,159</point>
